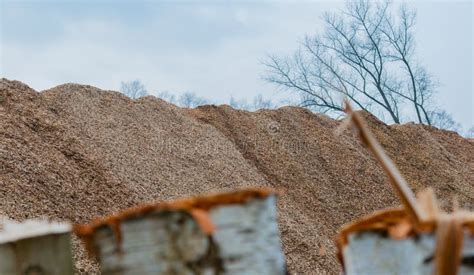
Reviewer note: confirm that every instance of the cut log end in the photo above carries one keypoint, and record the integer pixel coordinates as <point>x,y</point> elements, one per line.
<point>237,235</point>
<point>35,247</point>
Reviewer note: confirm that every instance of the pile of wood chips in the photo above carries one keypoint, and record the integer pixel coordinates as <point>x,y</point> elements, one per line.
<point>76,152</point>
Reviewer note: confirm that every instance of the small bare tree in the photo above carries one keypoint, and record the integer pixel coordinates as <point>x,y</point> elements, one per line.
<point>365,54</point>
<point>167,96</point>
<point>259,102</point>
<point>133,89</point>
<point>470,133</point>
<point>241,104</point>
<point>444,120</point>
<point>191,100</point>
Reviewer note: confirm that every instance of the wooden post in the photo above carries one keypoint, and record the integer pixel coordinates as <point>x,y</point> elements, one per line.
<point>234,233</point>
<point>35,247</point>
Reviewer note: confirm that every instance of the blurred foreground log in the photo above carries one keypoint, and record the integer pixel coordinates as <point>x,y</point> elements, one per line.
<point>233,233</point>
<point>35,247</point>
<point>419,238</point>
<point>371,252</point>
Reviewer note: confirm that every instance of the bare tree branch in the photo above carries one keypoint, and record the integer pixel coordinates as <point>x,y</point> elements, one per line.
<point>365,54</point>
<point>133,89</point>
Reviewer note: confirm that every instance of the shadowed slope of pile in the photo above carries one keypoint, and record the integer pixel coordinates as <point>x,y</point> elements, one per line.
<point>74,152</point>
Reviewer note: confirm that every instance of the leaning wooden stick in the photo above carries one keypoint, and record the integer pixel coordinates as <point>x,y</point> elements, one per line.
<point>401,187</point>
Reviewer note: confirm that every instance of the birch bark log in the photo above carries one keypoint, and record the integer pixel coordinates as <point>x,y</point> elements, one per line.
<point>372,253</point>
<point>245,241</point>
<point>35,247</point>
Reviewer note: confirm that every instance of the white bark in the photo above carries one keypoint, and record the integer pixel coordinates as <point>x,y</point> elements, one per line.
<point>35,247</point>
<point>245,241</point>
<point>372,253</point>
<point>248,238</point>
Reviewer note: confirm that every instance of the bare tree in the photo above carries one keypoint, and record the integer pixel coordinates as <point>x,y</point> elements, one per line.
<point>133,89</point>
<point>167,96</point>
<point>239,104</point>
<point>191,100</point>
<point>259,102</point>
<point>470,133</point>
<point>444,120</point>
<point>398,32</point>
<point>365,54</point>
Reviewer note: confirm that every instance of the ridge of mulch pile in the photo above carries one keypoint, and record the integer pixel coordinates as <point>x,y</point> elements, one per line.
<point>76,152</point>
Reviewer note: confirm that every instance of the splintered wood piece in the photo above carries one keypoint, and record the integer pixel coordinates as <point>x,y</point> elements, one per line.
<point>401,187</point>
<point>428,203</point>
<point>449,238</point>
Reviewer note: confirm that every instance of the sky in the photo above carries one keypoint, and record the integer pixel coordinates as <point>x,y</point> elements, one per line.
<point>212,48</point>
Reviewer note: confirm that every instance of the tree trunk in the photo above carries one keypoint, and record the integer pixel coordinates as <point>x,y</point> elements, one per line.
<point>35,247</point>
<point>415,95</point>
<point>245,240</point>
<point>372,253</point>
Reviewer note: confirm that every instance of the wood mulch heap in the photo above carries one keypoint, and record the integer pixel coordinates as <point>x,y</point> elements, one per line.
<point>76,152</point>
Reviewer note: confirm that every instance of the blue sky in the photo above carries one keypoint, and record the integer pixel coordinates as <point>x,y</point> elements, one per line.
<point>213,48</point>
